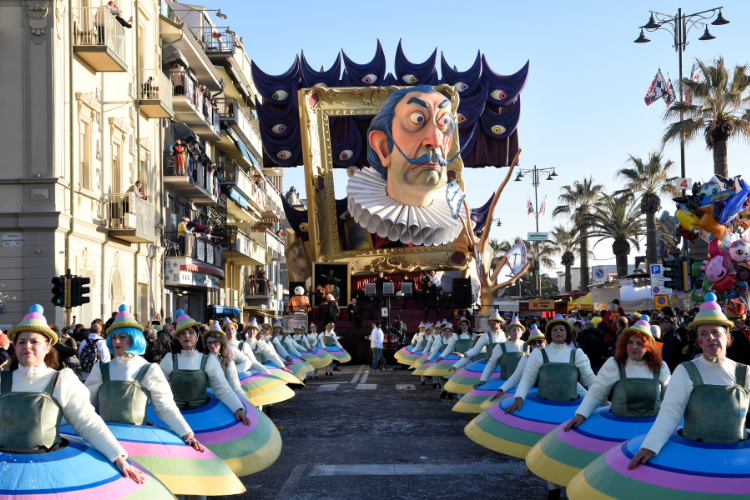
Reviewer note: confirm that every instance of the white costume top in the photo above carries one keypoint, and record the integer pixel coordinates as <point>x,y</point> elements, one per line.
<point>292,347</point>
<point>191,360</point>
<point>301,339</point>
<point>160,394</point>
<point>608,376</point>
<point>452,343</point>
<point>678,393</point>
<point>480,346</point>
<point>438,345</point>
<point>497,353</point>
<point>373,209</point>
<point>233,379</point>
<point>430,341</point>
<point>417,338</point>
<point>247,352</point>
<point>277,344</point>
<point>267,349</point>
<point>332,334</point>
<point>556,353</point>
<point>73,398</point>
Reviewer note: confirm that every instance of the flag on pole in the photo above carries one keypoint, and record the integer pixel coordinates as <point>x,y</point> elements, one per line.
<point>669,96</point>
<point>543,206</point>
<point>657,89</point>
<point>693,76</point>
<point>529,207</point>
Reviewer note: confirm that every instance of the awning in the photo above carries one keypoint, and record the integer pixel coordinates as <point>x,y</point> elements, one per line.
<point>202,269</point>
<point>238,76</point>
<point>265,313</point>
<point>226,310</point>
<point>240,199</point>
<point>584,303</point>
<point>245,153</point>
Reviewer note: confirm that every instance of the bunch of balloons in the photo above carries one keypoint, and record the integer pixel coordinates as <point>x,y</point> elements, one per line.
<point>718,211</point>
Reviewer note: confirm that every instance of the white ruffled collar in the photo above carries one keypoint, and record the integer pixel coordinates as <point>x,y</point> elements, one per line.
<point>34,372</point>
<point>189,353</point>
<point>558,347</point>
<point>123,360</point>
<point>373,209</point>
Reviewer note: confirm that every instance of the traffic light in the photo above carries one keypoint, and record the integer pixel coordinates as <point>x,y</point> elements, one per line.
<point>77,291</point>
<point>59,295</point>
<point>685,263</point>
<point>673,273</point>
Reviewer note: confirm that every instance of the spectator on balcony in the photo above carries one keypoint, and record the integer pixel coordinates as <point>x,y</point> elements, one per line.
<point>136,190</point>
<point>177,75</point>
<point>182,232</point>
<point>261,281</point>
<point>178,156</point>
<point>115,11</point>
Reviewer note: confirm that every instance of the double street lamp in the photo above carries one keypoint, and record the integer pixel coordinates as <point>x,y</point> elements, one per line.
<point>536,177</point>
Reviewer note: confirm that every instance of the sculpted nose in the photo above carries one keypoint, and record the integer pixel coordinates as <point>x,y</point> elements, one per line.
<point>433,137</point>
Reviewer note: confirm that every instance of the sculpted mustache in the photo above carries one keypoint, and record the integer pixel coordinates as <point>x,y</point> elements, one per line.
<point>434,156</point>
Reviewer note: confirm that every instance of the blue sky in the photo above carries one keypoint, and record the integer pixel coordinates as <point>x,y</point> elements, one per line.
<point>583,108</point>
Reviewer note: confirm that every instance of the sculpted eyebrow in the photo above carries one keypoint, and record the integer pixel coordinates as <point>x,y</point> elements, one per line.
<point>444,104</point>
<point>419,101</point>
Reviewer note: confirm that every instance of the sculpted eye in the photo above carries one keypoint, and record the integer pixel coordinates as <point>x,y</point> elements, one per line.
<point>279,95</point>
<point>410,79</point>
<point>498,94</point>
<point>446,120</point>
<point>417,117</point>
<point>461,86</point>
<point>279,129</point>
<point>346,154</point>
<point>284,154</point>
<point>498,129</point>
<point>370,79</point>
<point>462,118</point>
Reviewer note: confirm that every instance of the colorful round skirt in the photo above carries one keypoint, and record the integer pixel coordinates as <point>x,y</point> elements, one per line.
<point>181,468</point>
<point>73,472</point>
<point>338,354</point>
<point>560,455</point>
<point>255,383</point>
<point>314,361</point>
<point>407,355</point>
<point>463,381</point>
<point>299,368</point>
<point>287,377</point>
<point>442,368</point>
<point>419,361</point>
<point>683,470</point>
<point>277,395</point>
<point>245,449</point>
<point>472,401</point>
<point>324,355</point>
<point>514,434</point>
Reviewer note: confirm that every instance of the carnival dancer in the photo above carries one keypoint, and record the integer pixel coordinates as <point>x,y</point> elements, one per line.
<point>457,346</point>
<point>266,354</point>
<point>709,456</point>
<point>334,348</point>
<point>512,427</point>
<point>248,441</point>
<point>215,344</point>
<point>297,365</point>
<point>313,340</point>
<point>123,388</point>
<point>437,335</point>
<point>297,351</point>
<point>637,377</point>
<point>405,355</point>
<point>505,355</point>
<point>467,377</point>
<point>298,339</point>
<point>443,336</point>
<point>423,346</point>
<point>34,398</point>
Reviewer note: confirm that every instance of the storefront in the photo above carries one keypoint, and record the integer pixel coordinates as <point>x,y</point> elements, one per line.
<point>190,288</point>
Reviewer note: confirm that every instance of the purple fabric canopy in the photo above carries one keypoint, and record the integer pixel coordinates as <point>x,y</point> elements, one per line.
<point>279,131</point>
<point>370,74</point>
<point>504,89</point>
<point>470,109</point>
<point>279,124</point>
<point>346,142</point>
<point>501,125</point>
<point>280,90</point>
<point>295,218</point>
<point>409,73</point>
<point>480,216</point>
<point>328,78</point>
<point>467,82</point>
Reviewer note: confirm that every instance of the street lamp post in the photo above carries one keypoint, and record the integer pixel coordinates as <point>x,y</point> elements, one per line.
<point>536,174</point>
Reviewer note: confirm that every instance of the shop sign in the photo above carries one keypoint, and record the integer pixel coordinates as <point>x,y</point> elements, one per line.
<point>542,305</point>
<point>177,277</point>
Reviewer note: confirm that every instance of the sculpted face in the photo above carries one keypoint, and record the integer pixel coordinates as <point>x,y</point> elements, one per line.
<point>422,129</point>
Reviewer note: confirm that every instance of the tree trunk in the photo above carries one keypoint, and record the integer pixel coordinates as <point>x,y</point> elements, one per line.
<point>720,158</point>
<point>568,278</point>
<point>584,261</point>
<point>651,237</point>
<point>621,259</point>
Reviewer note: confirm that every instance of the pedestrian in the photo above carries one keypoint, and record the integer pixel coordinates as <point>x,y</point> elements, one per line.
<point>431,301</point>
<point>673,352</point>
<point>594,345</point>
<point>332,309</point>
<point>162,347</point>
<point>92,350</point>
<point>376,346</point>
<point>355,315</point>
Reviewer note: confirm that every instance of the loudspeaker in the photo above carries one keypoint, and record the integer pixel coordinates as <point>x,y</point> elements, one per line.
<point>462,295</point>
<point>388,288</point>
<point>370,289</point>
<point>406,289</point>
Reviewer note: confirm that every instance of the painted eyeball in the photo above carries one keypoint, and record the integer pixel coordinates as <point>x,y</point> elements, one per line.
<point>446,120</point>
<point>351,171</point>
<point>323,85</point>
<point>499,95</point>
<point>279,129</point>
<point>346,155</point>
<point>279,95</point>
<point>498,129</point>
<point>461,86</point>
<point>284,154</point>
<point>410,79</point>
<point>303,227</point>
<point>462,118</point>
<point>417,118</point>
<point>369,79</point>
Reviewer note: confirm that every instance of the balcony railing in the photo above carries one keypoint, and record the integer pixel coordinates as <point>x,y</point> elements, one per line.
<point>166,11</point>
<point>239,242</point>
<point>230,110</point>
<point>197,174</point>
<point>192,246</point>
<point>233,174</point>
<point>126,211</point>
<point>216,42</point>
<point>258,287</point>
<point>156,94</point>
<point>99,38</point>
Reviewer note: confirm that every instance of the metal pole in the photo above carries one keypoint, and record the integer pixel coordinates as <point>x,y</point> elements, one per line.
<point>680,35</point>
<point>537,275</point>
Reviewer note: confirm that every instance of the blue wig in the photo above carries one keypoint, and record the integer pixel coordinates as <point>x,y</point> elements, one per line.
<point>138,341</point>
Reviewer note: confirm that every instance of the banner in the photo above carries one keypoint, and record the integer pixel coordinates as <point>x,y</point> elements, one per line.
<point>541,305</point>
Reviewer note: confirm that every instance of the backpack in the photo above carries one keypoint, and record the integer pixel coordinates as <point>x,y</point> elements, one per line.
<point>89,356</point>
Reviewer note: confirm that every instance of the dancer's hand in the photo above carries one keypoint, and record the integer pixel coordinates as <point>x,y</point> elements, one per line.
<point>128,470</point>
<point>497,395</point>
<point>517,404</point>
<point>574,422</point>
<point>641,457</point>
<point>240,415</point>
<point>191,441</point>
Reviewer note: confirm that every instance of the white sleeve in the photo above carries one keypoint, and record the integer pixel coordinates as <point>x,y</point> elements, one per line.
<point>608,376</point>
<point>585,373</point>
<point>290,347</point>
<point>475,350</point>
<point>280,348</point>
<point>306,343</point>
<point>449,348</point>
<point>516,377</point>
<point>101,346</point>
<point>530,373</point>
<point>93,383</point>
<point>434,351</point>
<point>491,366</point>
<point>220,386</point>
<point>415,339</point>
<point>270,352</point>
<point>166,366</point>
<point>255,364</point>
<point>243,362</point>
<point>671,411</point>
<point>336,341</point>
<point>234,381</point>
<point>77,410</point>
<point>162,400</point>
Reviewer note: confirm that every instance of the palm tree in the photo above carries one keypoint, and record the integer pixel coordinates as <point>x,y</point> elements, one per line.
<point>578,201</point>
<point>648,180</point>
<point>565,243</point>
<point>620,220</point>
<point>718,110</point>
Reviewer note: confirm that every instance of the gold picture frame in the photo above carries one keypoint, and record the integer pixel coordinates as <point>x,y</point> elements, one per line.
<point>320,268</point>
<point>316,107</point>
<point>296,255</point>
<point>355,234</point>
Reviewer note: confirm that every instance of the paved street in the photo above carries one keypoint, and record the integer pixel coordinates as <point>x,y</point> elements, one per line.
<point>359,435</point>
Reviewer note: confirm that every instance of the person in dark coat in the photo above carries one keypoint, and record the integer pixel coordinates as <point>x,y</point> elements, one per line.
<point>671,352</point>
<point>594,346</point>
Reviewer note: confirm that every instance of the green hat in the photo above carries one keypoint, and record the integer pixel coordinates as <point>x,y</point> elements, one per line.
<point>559,320</point>
<point>535,334</point>
<point>429,326</point>
<point>516,322</point>
<point>299,326</point>
<point>278,324</point>
<point>34,322</point>
<point>447,326</point>
<point>252,324</point>
<point>183,321</point>
<point>124,320</point>
<point>421,325</point>
<point>495,316</point>
<point>641,326</point>
<point>710,314</point>
<point>215,329</point>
